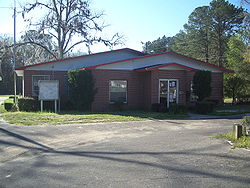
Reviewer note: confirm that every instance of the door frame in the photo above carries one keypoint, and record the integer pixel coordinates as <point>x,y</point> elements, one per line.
<point>159,88</point>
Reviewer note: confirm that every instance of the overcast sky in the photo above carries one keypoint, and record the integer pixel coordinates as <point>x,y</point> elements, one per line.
<point>137,20</point>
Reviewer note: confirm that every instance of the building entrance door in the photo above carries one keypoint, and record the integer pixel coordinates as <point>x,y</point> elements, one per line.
<point>168,91</point>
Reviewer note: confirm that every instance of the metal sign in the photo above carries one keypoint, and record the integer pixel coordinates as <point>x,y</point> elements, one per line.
<point>48,90</point>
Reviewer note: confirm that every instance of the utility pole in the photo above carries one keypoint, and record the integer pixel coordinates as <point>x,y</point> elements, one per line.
<point>15,99</point>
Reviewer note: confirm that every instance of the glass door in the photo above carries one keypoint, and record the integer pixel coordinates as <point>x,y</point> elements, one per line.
<point>168,91</point>
<point>163,92</point>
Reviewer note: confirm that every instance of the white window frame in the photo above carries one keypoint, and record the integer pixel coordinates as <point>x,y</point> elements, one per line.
<point>126,91</point>
<point>193,97</point>
<point>33,93</point>
<point>168,80</point>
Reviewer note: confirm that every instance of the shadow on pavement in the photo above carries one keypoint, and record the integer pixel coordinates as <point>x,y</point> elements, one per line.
<point>116,157</point>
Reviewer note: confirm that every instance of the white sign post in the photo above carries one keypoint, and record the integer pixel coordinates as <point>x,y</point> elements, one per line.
<point>48,91</point>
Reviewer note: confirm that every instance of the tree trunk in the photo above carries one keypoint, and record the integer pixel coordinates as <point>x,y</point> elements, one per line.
<point>220,53</point>
<point>234,99</point>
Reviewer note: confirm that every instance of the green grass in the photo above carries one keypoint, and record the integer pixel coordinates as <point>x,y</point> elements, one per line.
<point>2,109</point>
<point>228,100</point>
<point>9,100</point>
<point>242,142</point>
<point>37,118</point>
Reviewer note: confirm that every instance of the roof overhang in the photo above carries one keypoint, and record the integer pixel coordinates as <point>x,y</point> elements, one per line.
<point>157,67</point>
<point>172,53</point>
<point>78,57</point>
<point>19,72</point>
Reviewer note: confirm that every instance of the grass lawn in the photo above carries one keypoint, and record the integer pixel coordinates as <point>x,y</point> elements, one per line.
<point>2,109</point>
<point>242,142</point>
<point>228,100</point>
<point>37,118</point>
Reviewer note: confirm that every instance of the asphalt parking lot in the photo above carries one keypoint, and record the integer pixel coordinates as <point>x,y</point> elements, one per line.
<point>164,153</point>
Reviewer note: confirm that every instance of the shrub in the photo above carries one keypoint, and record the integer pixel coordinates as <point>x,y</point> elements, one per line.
<point>246,124</point>
<point>82,92</point>
<point>156,107</point>
<point>28,104</point>
<point>204,107</point>
<point>8,106</point>
<point>118,105</point>
<point>66,103</point>
<point>13,97</point>
<point>202,84</point>
<point>177,108</point>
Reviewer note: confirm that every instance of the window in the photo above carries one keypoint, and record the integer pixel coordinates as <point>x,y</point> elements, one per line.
<point>117,91</point>
<point>193,97</point>
<point>35,79</point>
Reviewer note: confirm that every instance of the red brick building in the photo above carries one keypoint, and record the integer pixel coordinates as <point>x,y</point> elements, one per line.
<point>134,78</point>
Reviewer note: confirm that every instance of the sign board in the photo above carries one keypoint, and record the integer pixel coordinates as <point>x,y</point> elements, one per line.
<point>48,90</point>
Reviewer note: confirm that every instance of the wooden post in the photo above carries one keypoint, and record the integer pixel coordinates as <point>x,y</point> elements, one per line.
<point>237,130</point>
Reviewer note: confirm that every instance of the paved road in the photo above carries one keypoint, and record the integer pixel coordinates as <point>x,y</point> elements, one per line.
<point>168,153</point>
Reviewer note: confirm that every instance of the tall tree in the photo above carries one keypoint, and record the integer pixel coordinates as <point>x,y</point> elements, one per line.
<point>159,45</point>
<point>6,66</point>
<point>198,28</point>
<point>181,44</point>
<point>205,36</point>
<point>226,20</point>
<point>237,85</point>
<point>65,19</point>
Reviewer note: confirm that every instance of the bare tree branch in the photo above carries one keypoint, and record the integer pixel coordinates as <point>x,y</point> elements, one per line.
<point>66,19</point>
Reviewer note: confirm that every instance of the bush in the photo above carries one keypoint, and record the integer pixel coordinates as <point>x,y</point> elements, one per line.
<point>204,107</point>
<point>66,103</point>
<point>156,107</point>
<point>28,104</point>
<point>82,91</point>
<point>8,106</point>
<point>202,84</point>
<point>177,108</point>
<point>118,105</point>
<point>246,124</point>
<point>13,97</point>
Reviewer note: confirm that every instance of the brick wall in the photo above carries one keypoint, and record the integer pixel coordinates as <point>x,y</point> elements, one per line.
<point>216,84</point>
<point>135,89</point>
<point>217,88</point>
<point>142,87</point>
<point>55,75</point>
<point>182,76</point>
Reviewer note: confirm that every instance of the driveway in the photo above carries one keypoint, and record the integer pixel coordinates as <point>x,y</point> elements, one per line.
<point>165,153</point>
